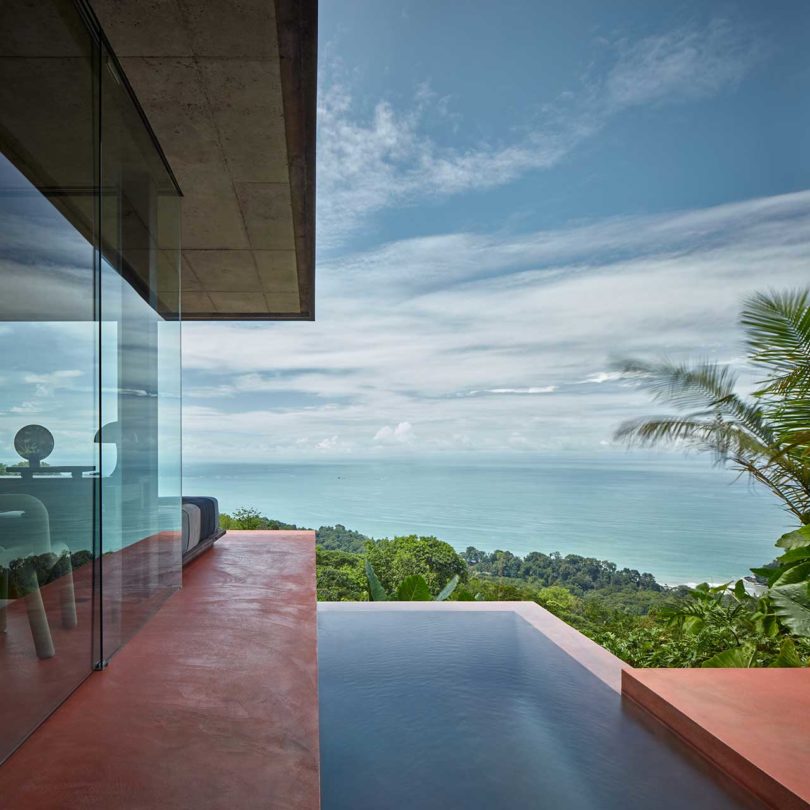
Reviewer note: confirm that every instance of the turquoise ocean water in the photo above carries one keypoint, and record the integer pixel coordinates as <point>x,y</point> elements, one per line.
<point>680,519</point>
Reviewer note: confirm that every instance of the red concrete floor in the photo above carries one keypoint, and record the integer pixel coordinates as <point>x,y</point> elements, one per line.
<point>30,686</point>
<point>753,723</point>
<point>212,704</point>
<point>139,578</point>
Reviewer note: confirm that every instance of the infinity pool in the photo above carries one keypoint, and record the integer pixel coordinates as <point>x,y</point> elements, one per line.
<point>450,709</point>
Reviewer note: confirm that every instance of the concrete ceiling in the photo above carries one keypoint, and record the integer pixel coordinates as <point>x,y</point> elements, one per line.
<point>228,87</point>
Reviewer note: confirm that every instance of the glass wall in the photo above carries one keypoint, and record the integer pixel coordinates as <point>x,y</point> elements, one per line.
<point>140,368</point>
<point>90,363</point>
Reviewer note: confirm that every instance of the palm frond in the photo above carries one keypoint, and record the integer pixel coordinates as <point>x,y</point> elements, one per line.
<point>707,388</point>
<point>648,431</point>
<point>724,439</point>
<point>797,380</point>
<point>778,332</point>
<point>768,436</point>
<point>685,386</point>
<point>777,326</point>
<point>785,474</point>
<point>791,420</point>
<point>784,480</point>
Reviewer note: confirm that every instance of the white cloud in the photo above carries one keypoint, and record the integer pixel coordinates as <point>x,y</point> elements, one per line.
<point>30,407</point>
<point>401,433</point>
<point>47,384</point>
<point>608,376</point>
<point>684,64</point>
<point>368,165</point>
<point>387,159</point>
<point>546,389</point>
<point>209,392</point>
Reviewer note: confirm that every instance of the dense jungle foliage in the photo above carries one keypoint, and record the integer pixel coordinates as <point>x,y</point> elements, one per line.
<point>626,611</point>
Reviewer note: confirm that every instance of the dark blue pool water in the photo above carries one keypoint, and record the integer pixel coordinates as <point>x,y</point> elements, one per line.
<point>479,710</point>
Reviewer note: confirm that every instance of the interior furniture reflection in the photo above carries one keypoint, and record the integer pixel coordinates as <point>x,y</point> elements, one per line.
<point>68,501</point>
<point>29,559</point>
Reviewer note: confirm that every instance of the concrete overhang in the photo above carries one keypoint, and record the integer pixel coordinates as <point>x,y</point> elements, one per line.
<point>229,88</point>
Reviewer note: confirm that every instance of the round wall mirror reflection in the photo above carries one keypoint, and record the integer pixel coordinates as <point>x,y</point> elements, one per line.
<point>33,443</point>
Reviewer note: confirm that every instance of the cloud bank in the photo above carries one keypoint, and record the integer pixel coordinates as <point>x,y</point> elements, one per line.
<point>489,343</point>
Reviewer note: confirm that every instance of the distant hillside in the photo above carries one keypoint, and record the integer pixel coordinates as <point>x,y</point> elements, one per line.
<point>333,538</point>
<point>339,538</point>
<point>578,574</point>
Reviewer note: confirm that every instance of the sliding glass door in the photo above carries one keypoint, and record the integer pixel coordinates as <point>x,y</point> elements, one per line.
<point>89,362</point>
<point>140,368</point>
<point>49,360</point>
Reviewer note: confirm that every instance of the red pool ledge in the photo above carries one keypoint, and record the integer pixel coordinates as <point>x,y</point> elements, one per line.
<point>214,703</point>
<point>754,724</point>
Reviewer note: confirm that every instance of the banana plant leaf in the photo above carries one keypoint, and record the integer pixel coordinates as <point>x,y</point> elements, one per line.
<point>447,589</point>
<point>791,603</point>
<point>735,658</point>
<point>375,589</point>
<point>795,539</point>
<point>413,589</point>
<point>788,657</point>
<point>795,555</point>
<point>794,574</point>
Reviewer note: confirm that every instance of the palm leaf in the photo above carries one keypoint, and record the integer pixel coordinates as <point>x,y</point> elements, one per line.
<point>778,331</point>
<point>767,437</point>
<point>686,387</point>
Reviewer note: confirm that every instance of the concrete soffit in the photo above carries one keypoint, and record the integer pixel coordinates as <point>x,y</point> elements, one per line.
<point>229,88</point>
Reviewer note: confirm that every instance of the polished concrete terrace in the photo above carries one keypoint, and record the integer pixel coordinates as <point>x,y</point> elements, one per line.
<point>212,704</point>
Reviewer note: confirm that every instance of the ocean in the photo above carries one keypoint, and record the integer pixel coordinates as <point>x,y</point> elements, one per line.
<point>680,519</point>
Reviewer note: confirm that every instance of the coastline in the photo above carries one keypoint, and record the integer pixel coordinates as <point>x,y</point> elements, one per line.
<point>645,514</point>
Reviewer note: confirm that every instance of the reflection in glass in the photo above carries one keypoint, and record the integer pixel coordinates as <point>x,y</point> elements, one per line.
<point>90,368</point>
<point>48,329</point>
<point>140,370</point>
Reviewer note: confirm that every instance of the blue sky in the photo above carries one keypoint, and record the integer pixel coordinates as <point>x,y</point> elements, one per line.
<point>510,196</point>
